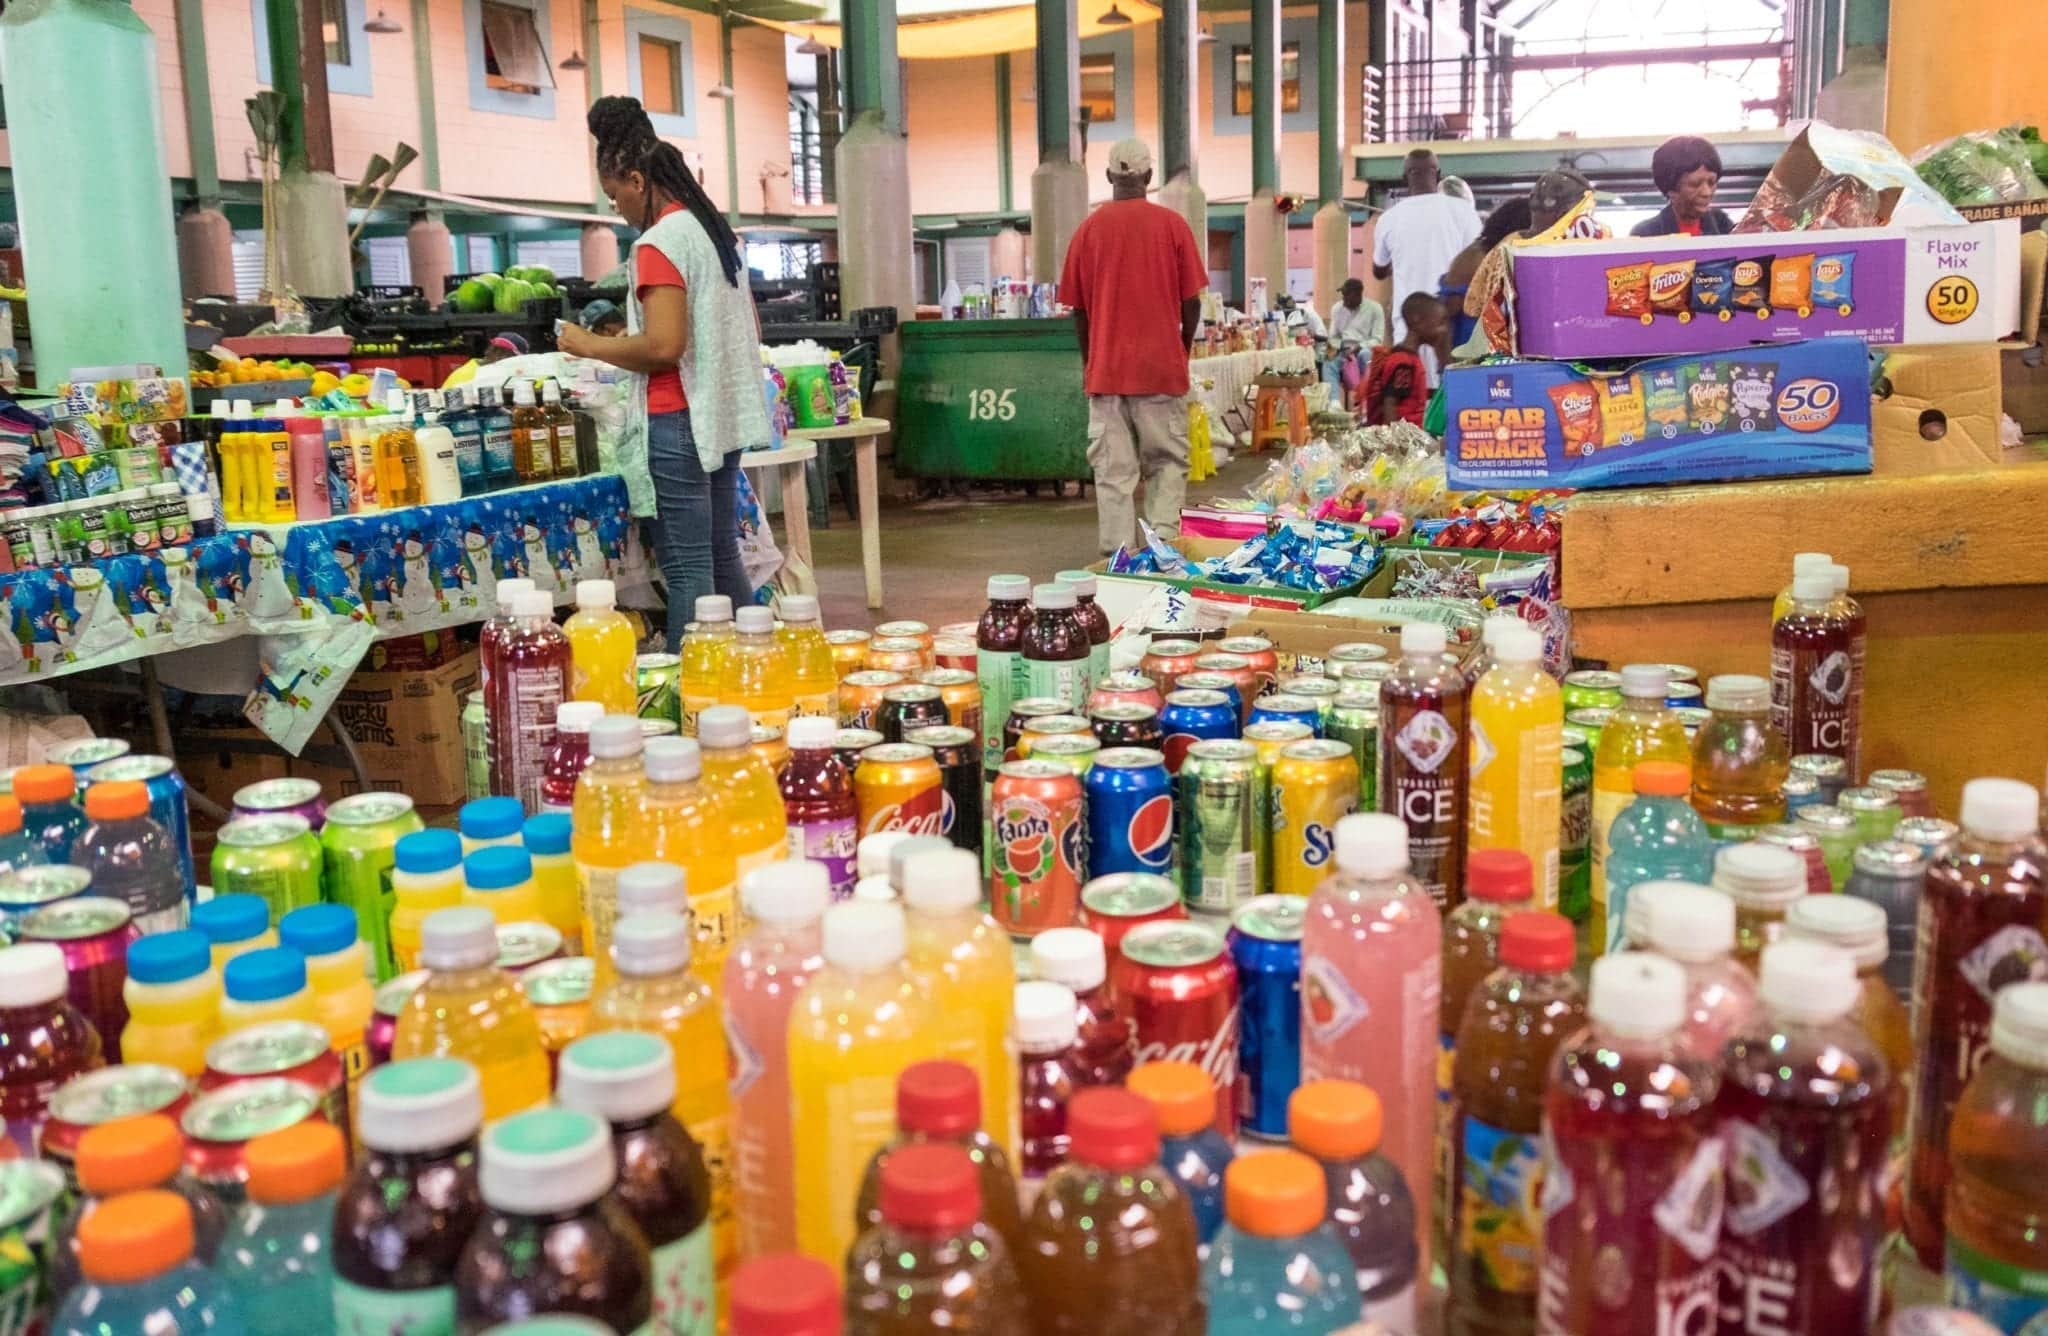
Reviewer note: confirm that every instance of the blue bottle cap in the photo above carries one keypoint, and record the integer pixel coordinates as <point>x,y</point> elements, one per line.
<point>318,930</point>
<point>496,868</point>
<point>262,976</point>
<point>492,818</point>
<point>428,851</point>
<point>231,918</point>
<point>548,833</point>
<point>169,957</point>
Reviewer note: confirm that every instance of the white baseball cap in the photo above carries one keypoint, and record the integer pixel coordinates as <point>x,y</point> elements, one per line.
<point>1130,157</point>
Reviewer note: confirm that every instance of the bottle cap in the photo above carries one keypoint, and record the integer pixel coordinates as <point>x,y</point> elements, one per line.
<point>811,732</point>
<point>754,620</point>
<point>1373,844</point>
<point>1645,681</point>
<point>464,937</point>
<point>2019,1024</point>
<point>116,800</point>
<point>1808,563</point>
<point>295,1163</point>
<point>601,595</point>
<point>576,716</point>
<point>419,1104</point>
<point>10,814</point>
<point>673,760</point>
<point>931,1187</point>
<point>1423,638</point>
<point>1538,942</point>
<point>1071,956</point>
<point>45,784</point>
<point>424,852</point>
<point>902,852</point>
<point>1052,596</point>
<point>491,818</point>
<point>798,607</point>
<point>168,957</point>
<point>615,737</point>
<point>651,944</point>
<point>1808,982</point>
<point>1518,644</point>
<point>1335,1120</point>
<point>787,894</point>
<point>1838,579</point>
<point>876,890</point>
<point>497,868</point>
<point>265,975</point>
<point>134,1236</point>
<point>713,608</point>
<point>508,592</point>
<point>1739,692</point>
<point>1662,779</point>
<point>1637,995</point>
<point>652,888</point>
<point>1818,587</point>
<point>1274,1194</point>
<point>231,918</point>
<point>129,1154</point>
<point>31,974</point>
<point>1009,588</point>
<point>1499,875</point>
<point>784,1294</point>
<point>1182,1098</point>
<point>861,937</point>
<point>942,880</point>
<point>939,1098</point>
<point>545,1161</point>
<point>1993,809</point>
<point>1112,1129</point>
<point>871,855</point>
<point>621,1075</point>
<point>1760,876</point>
<point>548,833</point>
<point>724,728</point>
<point>1081,582</point>
<point>1495,623</point>
<point>534,603</point>
<point>1694,924</point>
<point>1844,922</point>
<point>318,930</point>
<point>1045,1016</point>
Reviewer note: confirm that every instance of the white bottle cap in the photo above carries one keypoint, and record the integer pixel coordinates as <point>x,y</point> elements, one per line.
<point>875,890</point>
<point>2001,809</point>
<point>2019,1024</point>
<point>942,880</point>
<point>901,854</point>
<point>863,937</point>
<point>597,594</point>
<point>1760,876</point>
<point>1807,563</point>
<point>534,603</point>
<point>1071,956</point>
<point>462,938</point>
<point>787,894</point>
<point>1637,995</point>
<point>1809,982</point>
<point>871,855</point>
<point>1845,922</point>
<point>31,974</point>
<point>811,732</point>
<point>1635,920</point>
<point>1838,576</point>
<point>714,608</point>
<point>1645,681</point>
<point>1081,582</point>
<point>1815,588</point>
<point>419,1104</point>
<point>1518,644</point>
<point>673,760</point>
<point>615,737</point>
<point>1495,623</point>
<point>1373,844</point>
<point>619,1075</point>
<point>508,592</point>
<point>724,728</point>
<point>1693,924</point>
<point>1423,638</point>
<point>1738,691</point>
<point>652,888</point>
<point>1009,588</point>
<point>244,408</point>
<point>576,716</point>
<point>798,607</point>
<point>754,620</point>
<point>1046,1018</point>
<point>1052,596</point>
<point>646,945</point>
<point>545,1161</point>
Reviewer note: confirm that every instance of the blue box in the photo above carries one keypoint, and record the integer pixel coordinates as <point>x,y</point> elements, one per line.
<point>1766,412</point>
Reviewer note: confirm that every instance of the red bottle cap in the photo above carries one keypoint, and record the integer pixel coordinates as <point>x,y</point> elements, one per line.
<point>1538,941</point>
<point>1111,1128</point>
<point>939,1099</point>
<point>1498,874</point>
<point>785,1294</point>
<point>931,1187</point>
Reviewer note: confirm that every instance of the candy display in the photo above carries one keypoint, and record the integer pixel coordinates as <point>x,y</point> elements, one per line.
<point>1315,557</point>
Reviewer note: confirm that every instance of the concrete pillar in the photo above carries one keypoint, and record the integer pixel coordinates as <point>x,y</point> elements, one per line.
<point>871,164</point>
<point>1180,187</point>
<point>430,249</point>
<point>312,233</point>
<point>600,247</point>
<point>206,251</point>
<point>311,202</point>
<point>1059,184</point>
<point>1265,230</point>
<point>1007,254</point>
<point>1332,221</point>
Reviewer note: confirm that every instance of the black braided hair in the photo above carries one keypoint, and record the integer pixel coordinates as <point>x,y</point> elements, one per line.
<point>626,142</point>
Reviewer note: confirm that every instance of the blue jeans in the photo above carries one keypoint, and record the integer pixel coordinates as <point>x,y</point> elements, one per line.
<point>696,528</point>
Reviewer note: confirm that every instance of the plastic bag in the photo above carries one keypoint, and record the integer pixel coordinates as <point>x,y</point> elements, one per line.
<point>1981,167</point>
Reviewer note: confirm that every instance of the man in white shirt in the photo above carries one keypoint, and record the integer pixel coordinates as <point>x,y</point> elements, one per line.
<point>1299,317</point>
<point>1415,239</point>
<point>1359,314</point>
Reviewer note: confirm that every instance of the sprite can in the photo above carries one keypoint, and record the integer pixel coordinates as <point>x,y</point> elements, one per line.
<point>1591,687</point>
<point>358,843</point>
<point>1575,835</point>
<point>660,678</point>
<point>276,858</point>
<point>476,747</point>
<point>1354,718</point>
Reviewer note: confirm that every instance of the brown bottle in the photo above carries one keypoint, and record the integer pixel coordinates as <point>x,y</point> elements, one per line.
<point>533,448</point>
<point>932,1264</point>
<point>940,1101</point>
<point>561,424</point>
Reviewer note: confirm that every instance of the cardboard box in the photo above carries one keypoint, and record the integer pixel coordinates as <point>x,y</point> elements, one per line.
<point>408,728</point>
<point>2023,380</point>
<point>1936,410</point>
<point>1776,412</point>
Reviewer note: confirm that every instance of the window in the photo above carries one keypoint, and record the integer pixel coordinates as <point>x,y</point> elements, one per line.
<point>1241,79</point>
<point>661,82</point>
<point>334,30</point>
<point>247,250</point>
<point>390,261</point>
<point>348,56</point>
<point>806,149</point>
<point>482,253</point>
<point>659,70</point>
<point>515,61</point>
<point>1098,87</point>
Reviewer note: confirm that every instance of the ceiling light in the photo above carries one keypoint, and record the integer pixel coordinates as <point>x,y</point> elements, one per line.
<point>811,46</point>
<point>721,91</point>
<point>383,23</point>
<point>1205,38</point>
<point>574,62</point>
<point>1115,18</point>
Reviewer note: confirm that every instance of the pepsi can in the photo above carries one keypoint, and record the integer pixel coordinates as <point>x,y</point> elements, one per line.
<point>1265,945</point>
<point>1284,707</point>
<point>1193,716</point>
<point>1130,813</point>
<point>1223,683</point>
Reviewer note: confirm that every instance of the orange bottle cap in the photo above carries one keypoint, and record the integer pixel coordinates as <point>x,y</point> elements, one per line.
<point>116,800</point>
<point>1334,1120</point>
<point>129,1154</point>
<point>1274,1193</point>
<point>45,784</point>
<point>1664,779</point>
<point>10,814</point>
<point>135,1236</point>
<point>1179,1092</point>
<point>294,1163</point>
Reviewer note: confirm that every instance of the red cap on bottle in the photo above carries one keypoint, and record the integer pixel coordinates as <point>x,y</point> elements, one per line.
<point>931,1187</point>
<point>1538,941</point>
<point>1111,1128</point>
<point>1498,874</point>
<point>939,1099</point>
<point>785,1294</point>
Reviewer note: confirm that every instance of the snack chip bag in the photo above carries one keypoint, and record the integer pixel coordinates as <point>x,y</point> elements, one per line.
<point>1706,396</point>
<point>1628,291</point>
<point>1621,409</point>
<point>1753,390</point>
<point>1671,286</point>
<point>1792,282</point>
<point>1750,286</point>
<point>1664,401</point>
<point>1713,282</point>
<point>1578,416</point>
<point>1833,281</point>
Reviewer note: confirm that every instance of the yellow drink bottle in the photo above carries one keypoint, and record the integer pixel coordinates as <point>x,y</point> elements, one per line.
<point>173,997</point>
<point>265,986</point>
<point>745,789</point>
<point>468,1008</point>
<point>610,824</point>
<point>547,839</point>
<point>687,827</point>
<point>426,875</point>
<point>814,678</point>
<point>965,967</point>
<point>501,880</point>
<point>1516,775</point>
<point>858,1023</point>
<point>1642,728</point>
<point>701,674</point>
<point>601,649</point>
<point>337,972</point>
<point>757,671</point>
<point>234,925</point>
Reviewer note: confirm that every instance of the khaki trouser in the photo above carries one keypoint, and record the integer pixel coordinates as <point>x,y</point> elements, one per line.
<point>1132,436</point>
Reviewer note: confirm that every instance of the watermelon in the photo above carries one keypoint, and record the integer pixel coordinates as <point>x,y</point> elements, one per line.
<point>542,290</point>
<point>540,273</point>
<point>490,281</point>
<point>473,296</point>
<point>513,294</point>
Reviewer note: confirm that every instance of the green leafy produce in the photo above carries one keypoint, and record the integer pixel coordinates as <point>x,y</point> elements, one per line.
<point>1982,167</point>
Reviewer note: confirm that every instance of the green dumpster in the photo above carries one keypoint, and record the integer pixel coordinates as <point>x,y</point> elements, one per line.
<point>998,399</point>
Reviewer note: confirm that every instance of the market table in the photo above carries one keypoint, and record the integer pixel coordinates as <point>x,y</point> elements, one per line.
<point>788,461</point>
<point>1230,374</point>
<point>866,434</point>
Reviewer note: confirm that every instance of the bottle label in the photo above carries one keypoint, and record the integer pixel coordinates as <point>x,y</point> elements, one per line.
<point>1098,663</point>
<point>1426,797</point>
<point>1607,805</point>
<point>366,1312</point>
<point>1061,679</point>
<point>1690,1209</point>
<point>1813,699</point>
<point>1762,1188</point>
<point>469,456</point>
<point>685,1275</point>
<point>823,704</point>
<point>715,915</point>
<point>598,890</point>
<point>994,668</point>
<point>534,694</point>
<point>1329,1004</point>
<point>2010,1298</point>
<point>831,843</point>
<point>498,456</point>
<point>746,1066</point>
<point>1500,1221</point>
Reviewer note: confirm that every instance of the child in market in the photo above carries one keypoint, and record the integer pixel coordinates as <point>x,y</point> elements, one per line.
<point>1398,388</point>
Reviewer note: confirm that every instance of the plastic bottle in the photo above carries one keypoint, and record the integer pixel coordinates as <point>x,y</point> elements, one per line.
<point>276,468</point>
<point>490,823</point>
<point>343,999</point>
<point>610,828</point>
<point>1106,1048</point>
<point>561,425</point>
<point>1043,1018</point>
<point>1695,926</point>
<point>1982,915</point>
<point>939,1101</point>
<point>440,475</point>
<point>1764,881</point>
<point>686,826</point>
<point>263,986</point>
<point>1370,977</point>
<point>1515,776</point>
<point>1497,885</point>
<point>308,436</point>
<point>130,856</point>
<point>501,462</point>
<point>1739,761</point>
<point>173,997</point>
<point>1632,1165</point>
<point>1053,652</point>
<point>399,455</point>
<point>601,649</point>
<point>857,1024</point>
<point>813,676</point>
<point>1193,1153</point>
<point>1093,619</point>
<point>411,1200</point>
<point>1511,1033</point>
<point>964,965</point>
<point>1642,728</point>
<point>1424,759</point>
<point>500,880</point>
<point>998,639</point>
<point>1277,1263</point>
<point>533,444</point>
<point>44,1039</point>
<point>359,436</point>
<point>17,847</point>
<point>49,808</point>
<point>276,1258</point>
<point>932,1263</point>
<point>1859,928</point>
<point>553,1239</point>
<point>785,1294</point>
<point>570,753</point>
<point>1110,1245</point>
<point>141,1275</point>
<point>229,449</point>
<point>745,788</point>
<point>130,1155</point>
<point>1803,563</point>
<point>459,415</point>
<point>530,684</point>
<point>234,925</point>
<point>1997,1225</point>
<point>1657,837</point>
<point>426,875</point>
<point>818,803</point>
<point>1338,1124</point>
<point>701,673</point>
<point>629,1080</point>
<point>468,1008</point>
<point>1814,702</point>
<point>758,675</point>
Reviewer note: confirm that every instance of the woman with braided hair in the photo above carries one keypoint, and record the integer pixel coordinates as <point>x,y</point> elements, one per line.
<point>692,335</point>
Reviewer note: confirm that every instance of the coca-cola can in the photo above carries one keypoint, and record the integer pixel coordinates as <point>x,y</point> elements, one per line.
<point>219,1125</point>
<point>105,1095</point>
<point>1113,905</point>
<point>1180,985</point>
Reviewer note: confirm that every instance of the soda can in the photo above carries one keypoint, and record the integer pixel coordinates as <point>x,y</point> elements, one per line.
<point>1125,688</point>
<point>1265,945</point>
<point>961,690</point>
<point>1590,721</point>
<point>1351,651</point>
<point>1240,671</point>
<point>1022,714</point>
<point>1806,845</point>
<point>910,706</point>
<point>1271,737</point>
<point>1368,674</point>
<point>1038,833</point>
<point>1909,787</point>
<point>1180,986</point>
<point>1799,790</point>
<point>28,1195</point>
<point>894,654</point>
<point>290,796</point>
<point>957,654</point>
<point>1929,834</point>
<point>1684,696</point>
<point>476,747</point>
<point>359,846</point>
<point>1318,691</point>
<point>521,946</point>
<point>1037,730</point>
<point>1693,718</point>
<point>1314,785</point>
<point>659,679</point>
<point>1191,717</point>
<point>1889,874</point>
<point>1876,811</point>
<point>295,1050</point>
<point>106,1095</point>
<point>1113,905</point>
<point>1076,751</point>
<point>898,787</point>
<point>391,998</point>
<point>658,728</point>
<point>1354,720</point>
<point>1223,684</point>
<point>1678,672</point>
<point>1836,831</point>
<point>82,754</point>
<point>24,890</point>
<point>219,1124</point>
<point>849,651</point>
<point>860,697</point>
<point>274,857</point>
<point>1126,724</point>
<point>956,631</point>
<point>1258,652</point>
<point>1225,843</point>
<point>169,803</point>
<point>957,750</point>
<point>559,993</point>
<point>849,743</point>
<point>1166,660</point>
<point>1284,707</point>
<point>1130,813</point>
<point>1830,772</point>
<point>93,932</point>
<point>1574,834</point>
<point>907,630</point>
<point>1591,687</point>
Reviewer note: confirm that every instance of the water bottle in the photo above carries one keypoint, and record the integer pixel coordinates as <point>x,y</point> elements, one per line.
<point>1657,837</point>
<point>140,1275</point>
<point>276,1256</point>
<point>130,856</point>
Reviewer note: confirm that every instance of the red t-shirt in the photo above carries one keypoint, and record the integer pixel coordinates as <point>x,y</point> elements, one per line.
<point>652,269</point>
<point>1689,226</point>
<point>1400,373</point>
<point>1129,267</point>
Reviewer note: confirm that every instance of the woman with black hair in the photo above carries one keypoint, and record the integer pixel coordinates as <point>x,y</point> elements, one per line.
<point>1686,170</point>
<point>691,333</point>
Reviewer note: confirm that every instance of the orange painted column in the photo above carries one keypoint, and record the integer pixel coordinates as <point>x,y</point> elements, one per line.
<point>1944,76</point>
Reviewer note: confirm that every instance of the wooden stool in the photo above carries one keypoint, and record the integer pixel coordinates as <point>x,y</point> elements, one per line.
<point>1279,412</point>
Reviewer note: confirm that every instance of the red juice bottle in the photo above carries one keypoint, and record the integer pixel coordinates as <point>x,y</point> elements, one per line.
<point>1092,617</point>
<point>1044,1023</point>
<point>531,682</point>
<point>817,799</point>
<point>1053,653</point>
<point>44,1040</point>
<point>1631,1195</point>
<point>569,755</point>
<point>490,639</point>
<point>1813,706</point>
<point>1982,911</point>
<point>998,639</point>
<point>1805,1110</point>
<point>1106,1048</point>
<point>1423,760</point>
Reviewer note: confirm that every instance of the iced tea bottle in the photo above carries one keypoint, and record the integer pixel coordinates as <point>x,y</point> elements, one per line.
<point>529,684</point>
<point>932,1264</point>
<point>964,964</point>
<point>1642,728</point>
<point>1739,761</point>
<point>1997,1243</point>
<point>1982,913</point>
<point>1805,1108</point>
<point>1107,1045</point>
<point>44,1039</point>
<point>1110,1248</point>
<point>1277,1260</point>
<point>940,1101</point>
<point>1370,1206</point>
<point>1423,759</point>
<point>1764,880</point>
<point>561,424</point>
<point>1695,926</point>
<point>1044,1024</point>
<point>1052,656</point>
<point>1814,705</point>
<point>998,640</point>
<point>1631,1194</point>
<point>785,1294</point>
<point>1093,619</point>
<point>1510,1037</point>
<point>817,801</point>
<point>1194,1153</point>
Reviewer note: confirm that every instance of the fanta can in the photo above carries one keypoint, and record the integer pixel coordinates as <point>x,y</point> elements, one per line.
<point>1315,784</point>
<point>1036,831</point>
<point>898,787</point>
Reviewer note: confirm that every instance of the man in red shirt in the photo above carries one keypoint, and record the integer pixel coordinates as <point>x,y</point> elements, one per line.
<point>1134,278</point>
<point>1397,389</point>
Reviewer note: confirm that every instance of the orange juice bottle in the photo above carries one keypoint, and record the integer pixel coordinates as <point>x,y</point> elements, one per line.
<point>173,997</point>
<point>757,669</point>
<point>745,787</point>
<point>1516,776</point>
<point>965,966</point>
<point>609,822</point>
<point>601,649</point>
<point>501,880</point>
<point>1642,728</point>
<point>686,826</point>
<point>814,678</point>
